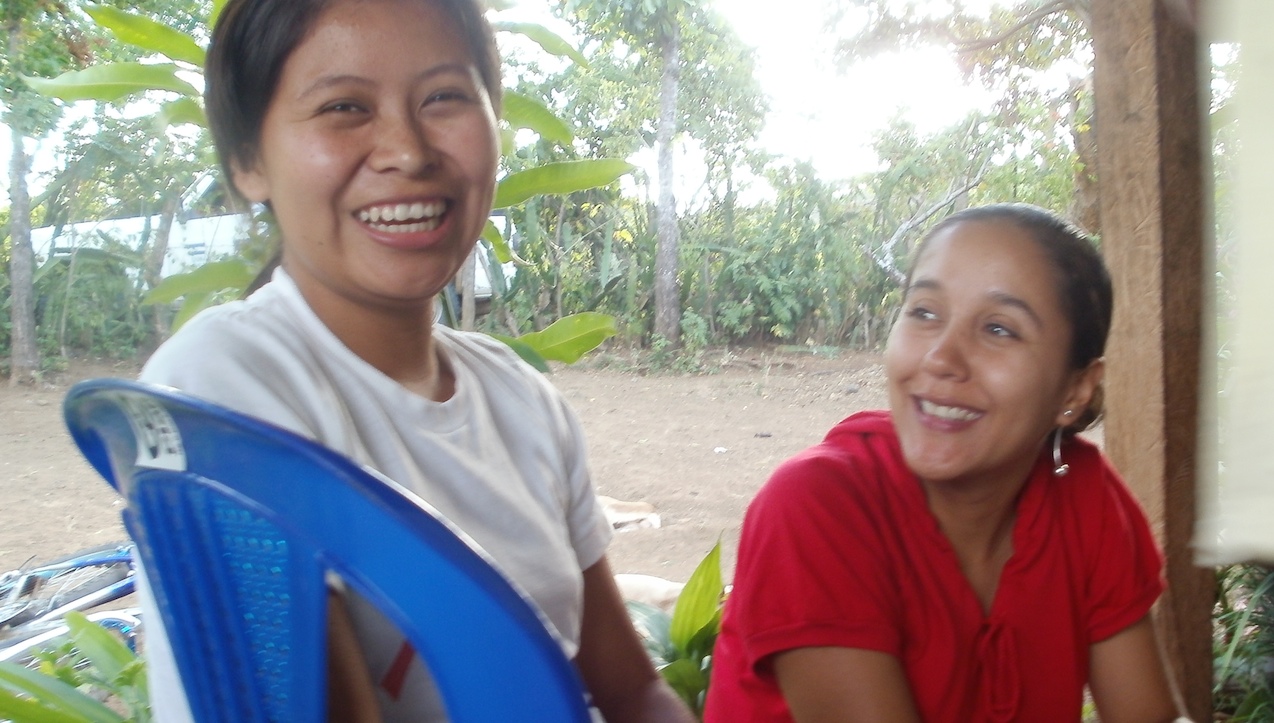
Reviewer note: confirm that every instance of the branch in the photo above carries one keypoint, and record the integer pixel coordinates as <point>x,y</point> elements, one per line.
<point>889,262</point>
<point>976,44</point>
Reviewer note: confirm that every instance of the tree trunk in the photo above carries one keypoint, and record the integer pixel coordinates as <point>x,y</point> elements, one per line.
<point>24,351</point>
<point>152,272</point>
<point>667,291</point>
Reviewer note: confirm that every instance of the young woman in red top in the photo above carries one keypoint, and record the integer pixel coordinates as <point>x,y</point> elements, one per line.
<point>962,557</point>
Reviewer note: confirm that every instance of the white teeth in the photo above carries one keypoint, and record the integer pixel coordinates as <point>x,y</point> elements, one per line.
<point>417,227</point>
<point>417,211</point>
<point>953,413</point>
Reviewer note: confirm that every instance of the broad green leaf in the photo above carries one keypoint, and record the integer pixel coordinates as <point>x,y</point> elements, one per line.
<point>16,708</point>
<point>147,34</point>
<point>685,677</point>
<point>104,650</point>
<point>180,111</point>
<point>55,694</point>
<point>561,177</point>
<point>571,337</point>
<point>207,279</point>
<point>112,81</point>
<point>491,234</point>
<point>523,111</point>
<point>550,41</point>
<point>699,602</point>
<point>193,304</point>
<point>526,351</point>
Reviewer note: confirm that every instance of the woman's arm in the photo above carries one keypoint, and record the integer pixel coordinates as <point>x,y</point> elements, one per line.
<point>844,685</point>
<point>351,695</point>
<point>1128,681</point>
<point>613,662</point>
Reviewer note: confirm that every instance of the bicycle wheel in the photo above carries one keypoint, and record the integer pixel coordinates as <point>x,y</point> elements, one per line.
<point>64,580</point>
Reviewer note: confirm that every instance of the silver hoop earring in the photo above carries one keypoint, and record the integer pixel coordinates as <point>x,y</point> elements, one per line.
<point>1059,469</point>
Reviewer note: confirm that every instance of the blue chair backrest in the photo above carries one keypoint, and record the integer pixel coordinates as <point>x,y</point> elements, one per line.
<point>237,523</point>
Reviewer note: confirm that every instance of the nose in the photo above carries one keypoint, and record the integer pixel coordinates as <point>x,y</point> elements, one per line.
<point>402,144</point>
<point>946,356</point>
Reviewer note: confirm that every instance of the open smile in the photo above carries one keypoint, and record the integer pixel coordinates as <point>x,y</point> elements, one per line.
<point>415,217</point>
<point>949,413</point>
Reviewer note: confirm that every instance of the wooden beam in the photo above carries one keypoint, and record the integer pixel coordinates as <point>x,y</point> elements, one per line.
<point>1149,121</point>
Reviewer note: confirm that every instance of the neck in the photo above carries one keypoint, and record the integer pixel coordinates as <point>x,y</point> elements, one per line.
<point>397,341</point>
<point>975,520</point>
<point>978,521</point>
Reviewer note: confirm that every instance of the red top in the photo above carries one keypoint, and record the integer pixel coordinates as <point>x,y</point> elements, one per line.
<point>839,549</point>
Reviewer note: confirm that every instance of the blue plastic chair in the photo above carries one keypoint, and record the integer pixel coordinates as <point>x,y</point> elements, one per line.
<point>238,521</point>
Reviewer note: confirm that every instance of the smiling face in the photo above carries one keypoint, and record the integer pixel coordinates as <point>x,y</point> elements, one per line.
<point>978,360</point>
<point>377,155</point>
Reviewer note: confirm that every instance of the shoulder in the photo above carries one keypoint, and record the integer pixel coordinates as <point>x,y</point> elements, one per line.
<point>859,449</point>
<point>237,336</point>
<point>854,475</point>
<point>254,356</point>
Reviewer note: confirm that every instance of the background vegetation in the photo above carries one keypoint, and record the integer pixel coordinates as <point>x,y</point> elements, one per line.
<point>762,250</point>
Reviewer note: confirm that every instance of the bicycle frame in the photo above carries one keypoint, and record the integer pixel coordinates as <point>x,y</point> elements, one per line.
<point>21,589</point>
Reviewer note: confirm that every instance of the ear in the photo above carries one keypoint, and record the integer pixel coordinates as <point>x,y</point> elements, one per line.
<point>249,180</point>
<point>1083,384</point>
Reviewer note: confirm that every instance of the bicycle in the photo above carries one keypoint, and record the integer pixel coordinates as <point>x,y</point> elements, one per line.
<point>35,599</point>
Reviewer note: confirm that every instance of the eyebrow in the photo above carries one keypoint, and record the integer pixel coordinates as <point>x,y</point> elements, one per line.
<point>998,297</point>
<point>1011,300</point>
<point>329,81</point>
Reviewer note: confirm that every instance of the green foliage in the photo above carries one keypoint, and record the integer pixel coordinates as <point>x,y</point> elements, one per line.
<point>1243,643</point>
<point>87,303</point>
<point>212,283</point>
<point>565,340</point>
<point>558,178</point>
<point>681,645</point>
<point>114,82</point>
<point>73,679</point>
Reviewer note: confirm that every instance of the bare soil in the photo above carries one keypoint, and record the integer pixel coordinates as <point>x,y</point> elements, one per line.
<point>695,446</point>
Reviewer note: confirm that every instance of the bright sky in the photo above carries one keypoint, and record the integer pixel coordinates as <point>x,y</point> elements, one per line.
<point>827,117</point>
<point>816,113</point>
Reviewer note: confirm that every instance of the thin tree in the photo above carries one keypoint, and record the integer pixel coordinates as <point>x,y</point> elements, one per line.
<point>654,24</point>
<point>38,37</point>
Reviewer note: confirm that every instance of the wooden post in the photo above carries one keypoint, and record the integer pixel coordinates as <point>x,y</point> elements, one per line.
<point>1149,120</point>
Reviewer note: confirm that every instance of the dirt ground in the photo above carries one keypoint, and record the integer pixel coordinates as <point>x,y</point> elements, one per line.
<point>696,447</point>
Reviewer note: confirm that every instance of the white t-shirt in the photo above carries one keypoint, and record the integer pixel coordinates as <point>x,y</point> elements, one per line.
<point>503,458</point>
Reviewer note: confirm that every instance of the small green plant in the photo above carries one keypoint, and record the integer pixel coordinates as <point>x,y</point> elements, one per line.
<point>681,644</point>
<point>74,679</point>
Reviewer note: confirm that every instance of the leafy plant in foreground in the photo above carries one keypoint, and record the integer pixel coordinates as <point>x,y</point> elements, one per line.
<point>73,680</point>
<point>681,644</point>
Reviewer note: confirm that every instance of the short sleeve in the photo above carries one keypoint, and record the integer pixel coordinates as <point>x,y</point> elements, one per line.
<point>589,529</point>
<point>812,568</point>
<point>1126,563</point>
